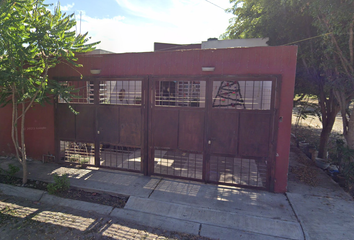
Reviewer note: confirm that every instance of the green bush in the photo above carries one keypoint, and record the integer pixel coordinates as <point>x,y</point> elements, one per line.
<point>10,173</point>
<point>343,156</point>
<point>12,170</point>
<point>61,184</point>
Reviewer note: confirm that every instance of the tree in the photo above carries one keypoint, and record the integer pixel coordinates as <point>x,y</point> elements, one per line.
<point>285,23</point>
<point>335,20</point>
<point>33,40</point>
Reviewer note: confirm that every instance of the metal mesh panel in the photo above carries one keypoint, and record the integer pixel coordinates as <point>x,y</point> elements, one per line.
<point>239,171</point>
<point>77,152</point>
<point>252,95</point>
<point>180,93</point>
<point>120,157</point>
<point>178,164</point>
<point>120,92</point>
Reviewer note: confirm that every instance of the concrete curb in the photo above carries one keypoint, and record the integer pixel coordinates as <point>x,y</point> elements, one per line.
<point>157,221</point>
<point>146,219</point>
<point>43,197</point>
<point>76,204</point>
<point>23,192</point>
<point>174,217</point>
<point>223,233</point>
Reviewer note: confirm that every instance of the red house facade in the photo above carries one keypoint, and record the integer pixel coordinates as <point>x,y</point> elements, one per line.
<point>215,115</point>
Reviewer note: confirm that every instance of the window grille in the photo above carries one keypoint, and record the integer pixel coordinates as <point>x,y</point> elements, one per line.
<point>121,157</point>
<point>180,93</point>
<point>77,152</point>
<point>179,164</point>
<point>82,92</point>
<point>120,92</point>
<point>239,171</point>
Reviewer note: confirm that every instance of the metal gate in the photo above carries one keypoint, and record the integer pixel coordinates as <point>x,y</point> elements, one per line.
<point>215,129</point>
<point>108,130</point>
<point>212,129</point>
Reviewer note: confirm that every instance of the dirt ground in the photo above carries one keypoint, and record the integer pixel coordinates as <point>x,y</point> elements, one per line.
<point>22,219</point>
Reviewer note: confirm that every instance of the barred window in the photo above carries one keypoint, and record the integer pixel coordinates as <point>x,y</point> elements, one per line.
<point>180,93</point>
<point>252,95</point>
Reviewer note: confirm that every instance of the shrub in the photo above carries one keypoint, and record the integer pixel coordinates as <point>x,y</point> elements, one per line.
<point>61,184</point>
<point>12,170</point>
<point>10,173</point>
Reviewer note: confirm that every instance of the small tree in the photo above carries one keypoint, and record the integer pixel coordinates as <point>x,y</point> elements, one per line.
<point>33,40</point>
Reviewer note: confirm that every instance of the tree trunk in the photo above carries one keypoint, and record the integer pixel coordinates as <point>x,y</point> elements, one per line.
<point>349,136</point>
<point>329,111</point>
<point>23,146</point>
<point>25,172</point>
<point>324,137</point>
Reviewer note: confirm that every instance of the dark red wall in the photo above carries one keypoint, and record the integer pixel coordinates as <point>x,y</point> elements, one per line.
<point>235,61</point>
<point>39,131</point>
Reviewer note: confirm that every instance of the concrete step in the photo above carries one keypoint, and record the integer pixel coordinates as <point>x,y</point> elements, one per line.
<point>227,220</point>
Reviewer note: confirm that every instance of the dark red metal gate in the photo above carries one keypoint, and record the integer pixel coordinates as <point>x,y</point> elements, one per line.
<point>215,129</point>
<point>212,129</point>
<point>176,127</point>
<point>109,129</point>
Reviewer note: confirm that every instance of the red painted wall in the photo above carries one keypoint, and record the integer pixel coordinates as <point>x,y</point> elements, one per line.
<point>236,61</point>
<point>39,131</point>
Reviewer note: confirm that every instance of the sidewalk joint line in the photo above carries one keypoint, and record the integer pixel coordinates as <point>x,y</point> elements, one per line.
<point>155,187</point>
<point>41,196</point>
<point>109,214</point>
<point>200,229</point>
<point>297,218</point>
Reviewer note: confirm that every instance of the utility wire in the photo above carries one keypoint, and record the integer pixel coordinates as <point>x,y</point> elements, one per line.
<point>215,5</point>
<point>308,38</point>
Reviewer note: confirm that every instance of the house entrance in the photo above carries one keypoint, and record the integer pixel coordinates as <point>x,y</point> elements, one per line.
<point>212,129</point>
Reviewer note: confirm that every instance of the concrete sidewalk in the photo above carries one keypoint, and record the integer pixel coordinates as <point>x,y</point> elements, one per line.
<point>208,210</point>
<point>325,211</point>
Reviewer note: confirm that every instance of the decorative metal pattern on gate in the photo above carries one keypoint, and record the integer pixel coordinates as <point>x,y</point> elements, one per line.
<point>251,95</point>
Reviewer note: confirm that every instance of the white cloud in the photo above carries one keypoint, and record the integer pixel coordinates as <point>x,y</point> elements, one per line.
<point>175,21</point>
<point>67,7</point>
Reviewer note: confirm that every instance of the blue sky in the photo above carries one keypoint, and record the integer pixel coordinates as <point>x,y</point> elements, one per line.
<point>134,25</point>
